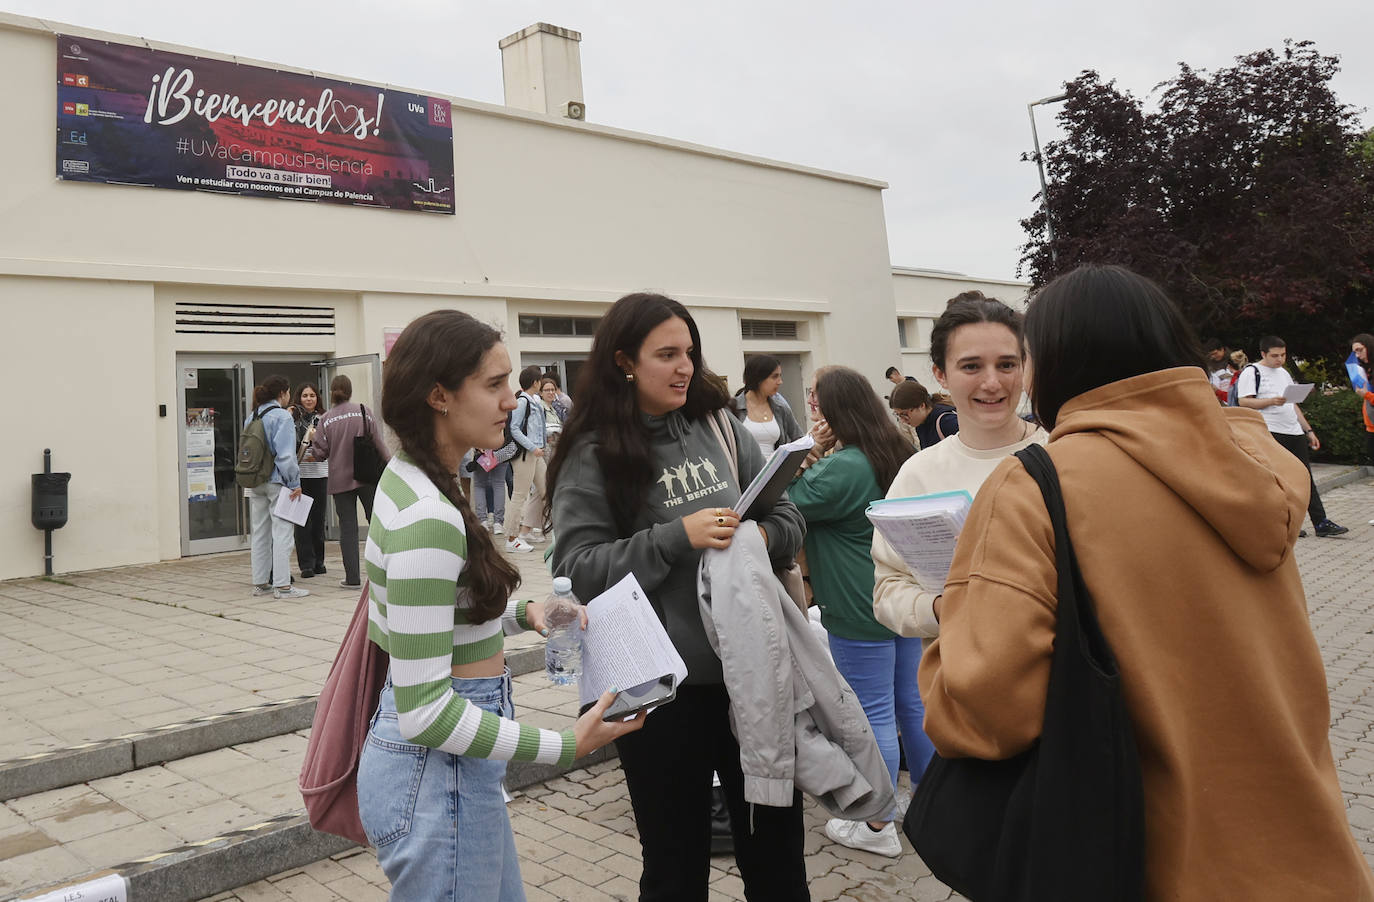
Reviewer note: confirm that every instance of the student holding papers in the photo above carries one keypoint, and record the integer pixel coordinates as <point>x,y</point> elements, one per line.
<point>1268,388</point>
<point>431,771</point>
<point>642,484</point>
<point>879,666</point>
<point>978,358</point>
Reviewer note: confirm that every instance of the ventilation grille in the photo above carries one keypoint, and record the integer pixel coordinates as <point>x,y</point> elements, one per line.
<point>253,319</point>
<point>767,328</point>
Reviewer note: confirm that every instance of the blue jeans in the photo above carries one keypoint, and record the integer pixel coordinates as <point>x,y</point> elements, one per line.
<point>489,492</point>
<point>439,821</point>
<point>882,673</point>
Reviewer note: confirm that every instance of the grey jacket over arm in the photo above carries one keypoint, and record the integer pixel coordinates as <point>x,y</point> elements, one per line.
<point>798,722</point>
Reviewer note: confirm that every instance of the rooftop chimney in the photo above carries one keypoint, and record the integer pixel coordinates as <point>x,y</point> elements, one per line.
<point>542,69</point>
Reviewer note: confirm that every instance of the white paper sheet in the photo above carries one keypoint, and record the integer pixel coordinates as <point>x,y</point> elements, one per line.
<point>625,644</point>
<point>1297,393</point>
<point>296,510</point>
<point>110,888</point>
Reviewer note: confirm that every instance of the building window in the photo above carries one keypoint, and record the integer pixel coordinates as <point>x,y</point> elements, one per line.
<point>768,328</point>
<point>558,325</point>
<point>901,333</point>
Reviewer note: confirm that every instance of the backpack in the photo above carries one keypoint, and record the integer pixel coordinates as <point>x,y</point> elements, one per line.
<point>1233,394</point>
<point>256,460</point>
<point>509,447</point>
<point>367,460</point>
<point>329,774</point>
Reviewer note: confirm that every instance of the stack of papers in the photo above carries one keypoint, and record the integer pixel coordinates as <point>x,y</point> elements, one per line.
<point>625,644</point>
<point>759,496</point>
<point>923,531</point>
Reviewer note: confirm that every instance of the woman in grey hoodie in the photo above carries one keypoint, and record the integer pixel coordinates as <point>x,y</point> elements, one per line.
<point>642,484</point>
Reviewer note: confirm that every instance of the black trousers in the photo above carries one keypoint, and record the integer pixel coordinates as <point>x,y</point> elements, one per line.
<point>346,506</point>
<point>668,768</point>
<point>310,537</point>
<point>1297,444</point>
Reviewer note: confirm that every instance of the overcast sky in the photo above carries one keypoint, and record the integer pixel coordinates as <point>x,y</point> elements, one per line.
<point>930,98</point>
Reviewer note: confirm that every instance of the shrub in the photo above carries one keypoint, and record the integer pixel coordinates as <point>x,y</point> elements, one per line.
<point>1333,410</point>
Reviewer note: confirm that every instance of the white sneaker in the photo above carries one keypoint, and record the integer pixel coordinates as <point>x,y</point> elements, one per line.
<point>498,529</point>
<point>903,801</point>
<point>534,537</point>
<point>858,835</point>
<point>259,591</point>
<point>519,544</point>
<point>290,592</point>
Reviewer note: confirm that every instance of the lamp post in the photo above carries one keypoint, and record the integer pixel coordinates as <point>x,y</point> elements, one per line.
<point>1040,165</point>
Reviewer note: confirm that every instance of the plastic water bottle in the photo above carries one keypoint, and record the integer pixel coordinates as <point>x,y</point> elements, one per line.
<point>563,648</point>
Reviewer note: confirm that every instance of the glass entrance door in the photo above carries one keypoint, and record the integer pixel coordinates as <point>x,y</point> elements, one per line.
<point>214,513</point>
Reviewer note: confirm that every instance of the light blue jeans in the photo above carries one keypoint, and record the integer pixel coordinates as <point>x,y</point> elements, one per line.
<point>272,538</point>
<point>438,821</point>
<point>882,673</point>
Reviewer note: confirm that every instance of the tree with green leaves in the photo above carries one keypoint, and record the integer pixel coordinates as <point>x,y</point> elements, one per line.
<point>1248,193</point>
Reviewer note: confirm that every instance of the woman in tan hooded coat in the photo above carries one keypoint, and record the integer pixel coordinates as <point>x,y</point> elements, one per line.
<point>1183,515</point>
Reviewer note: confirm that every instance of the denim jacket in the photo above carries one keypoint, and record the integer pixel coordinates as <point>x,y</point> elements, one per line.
<point>281,439</point>
<point>532,436</point>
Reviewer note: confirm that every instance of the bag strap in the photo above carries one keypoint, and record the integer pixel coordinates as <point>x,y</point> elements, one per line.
<point>367,429</point>
<point>1255,367</point>
<point>727,444</point>
<point>1075,616</point>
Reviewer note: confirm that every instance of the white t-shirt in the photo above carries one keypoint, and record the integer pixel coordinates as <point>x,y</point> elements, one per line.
<point>766,434</point>
<point>1282,419</point>
<point>1221,379</point>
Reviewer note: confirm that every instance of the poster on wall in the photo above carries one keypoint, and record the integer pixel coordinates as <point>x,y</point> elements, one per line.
<point>200,454</point>
<point>137,116</point>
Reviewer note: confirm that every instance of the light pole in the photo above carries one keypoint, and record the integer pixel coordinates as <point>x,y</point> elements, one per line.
<point>1040,165</point>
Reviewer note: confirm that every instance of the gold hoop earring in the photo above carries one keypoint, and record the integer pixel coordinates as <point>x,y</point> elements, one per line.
<point>629,377</point>
<point>444,411</point>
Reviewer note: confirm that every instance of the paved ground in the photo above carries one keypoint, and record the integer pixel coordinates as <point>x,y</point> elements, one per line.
<point>94,655</point>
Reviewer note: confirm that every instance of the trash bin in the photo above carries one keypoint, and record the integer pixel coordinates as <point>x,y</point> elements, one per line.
<point>50,500</point>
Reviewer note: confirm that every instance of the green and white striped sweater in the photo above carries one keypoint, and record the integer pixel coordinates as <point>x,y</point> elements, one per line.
<point>416,550</point>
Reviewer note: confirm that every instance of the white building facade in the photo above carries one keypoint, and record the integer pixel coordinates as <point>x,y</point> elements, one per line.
<point>141,318</point>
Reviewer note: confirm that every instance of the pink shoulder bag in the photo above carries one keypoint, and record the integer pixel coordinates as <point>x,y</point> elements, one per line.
<point>329,776</point>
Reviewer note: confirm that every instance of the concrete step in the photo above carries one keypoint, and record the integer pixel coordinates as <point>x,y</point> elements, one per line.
<point>190,826</point>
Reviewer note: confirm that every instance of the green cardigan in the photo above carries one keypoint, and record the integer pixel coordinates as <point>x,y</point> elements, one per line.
<point>833,495</point>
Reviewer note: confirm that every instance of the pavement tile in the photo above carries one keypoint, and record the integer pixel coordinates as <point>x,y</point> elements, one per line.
<point>210,820</point>
<point>122,844</point>
<point>36,868</point>
<point>86,816</point>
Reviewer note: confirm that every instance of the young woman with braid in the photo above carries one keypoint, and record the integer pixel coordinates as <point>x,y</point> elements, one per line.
<point>429,782</point>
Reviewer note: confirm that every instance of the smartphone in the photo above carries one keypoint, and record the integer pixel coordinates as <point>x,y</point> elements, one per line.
<point>631,701</point>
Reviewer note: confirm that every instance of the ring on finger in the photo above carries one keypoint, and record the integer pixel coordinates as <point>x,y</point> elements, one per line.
<point>720,521</point>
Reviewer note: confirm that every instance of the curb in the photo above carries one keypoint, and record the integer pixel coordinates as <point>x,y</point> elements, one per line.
<point>240,857</point>
<point>1354,474</point>
<point>43,771</point>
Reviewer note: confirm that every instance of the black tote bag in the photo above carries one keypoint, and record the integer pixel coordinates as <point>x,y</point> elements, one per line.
<point>1063,821</point>
<point>367,460</point>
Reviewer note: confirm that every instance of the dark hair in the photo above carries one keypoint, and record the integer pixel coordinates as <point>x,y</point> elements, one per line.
<point>340,390</point>
<point>557,380</point>
<point>1100,324</point>
<point>856,417</point>
<point>296,398</point>
<point>966,309</point>
<point>1367,340</point>
<point>270,390</point>
<point>608,404</point>
<point>908,396</point>
<point>1212,344</point>
<point>1270,341</point>
<point>444,348</point>
<point>890,371</point>
<point>529,375</point>
<point>756,369</point>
